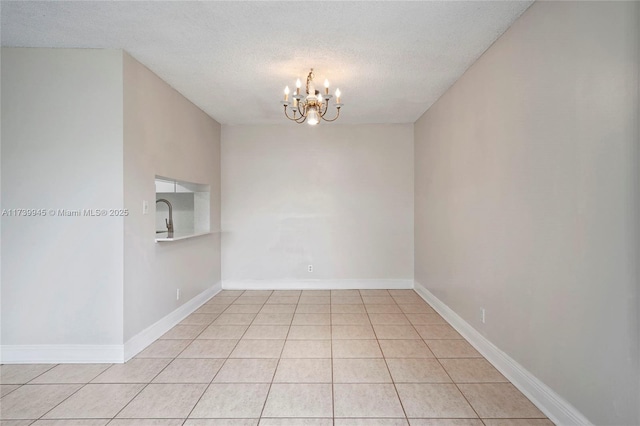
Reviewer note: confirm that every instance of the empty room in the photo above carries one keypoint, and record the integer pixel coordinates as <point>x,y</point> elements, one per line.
<point>294,213</point>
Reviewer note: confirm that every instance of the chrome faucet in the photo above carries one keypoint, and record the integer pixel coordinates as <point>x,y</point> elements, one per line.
<point>168,222</point>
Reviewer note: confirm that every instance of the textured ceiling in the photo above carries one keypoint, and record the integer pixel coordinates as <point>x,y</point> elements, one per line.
<point>391,60</point>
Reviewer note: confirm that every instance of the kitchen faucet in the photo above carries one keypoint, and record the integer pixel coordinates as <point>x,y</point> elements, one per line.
<point>168,222</point>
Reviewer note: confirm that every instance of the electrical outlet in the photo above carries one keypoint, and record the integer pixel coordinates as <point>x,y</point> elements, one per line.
<point>145,207</point>
<point>178,294</point>
<point>310,268</point>
<point>482,314</point>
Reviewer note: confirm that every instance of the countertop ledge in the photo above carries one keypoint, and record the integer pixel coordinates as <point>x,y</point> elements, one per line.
<point>164,237</point>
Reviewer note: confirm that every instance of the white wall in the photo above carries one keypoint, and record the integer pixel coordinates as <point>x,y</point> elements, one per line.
<point>165,135</point>
<point>62,149</point>
<point>90,129</point>
<point>527,201</point>
<point>338,197</point>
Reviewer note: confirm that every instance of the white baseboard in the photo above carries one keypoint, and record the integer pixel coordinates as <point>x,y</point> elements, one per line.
<point>68,354</point>
<point>60,354</point>
<point>316,284</point>
<point>150,334</point>
<point>548,401</point>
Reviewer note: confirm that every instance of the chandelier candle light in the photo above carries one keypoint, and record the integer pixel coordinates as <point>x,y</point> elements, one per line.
<point>312,107</point>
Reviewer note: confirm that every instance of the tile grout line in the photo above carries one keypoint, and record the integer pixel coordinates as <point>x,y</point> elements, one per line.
<point>46,371</point>
<point>161,370</point>
<point>217,372</point>
<point>20,385</point>
<point>193,340</point>
<point>445,370</point>
<point>333,391</point>
<point>12,390</point>
<point>73,393</point>
<point>264,405</point>
<point>206,326</point>
<point>405,315</point>
<point>143,388</point>
<point>393,382</point>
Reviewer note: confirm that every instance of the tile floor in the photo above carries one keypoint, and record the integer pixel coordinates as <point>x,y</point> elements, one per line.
<point>346,357</point>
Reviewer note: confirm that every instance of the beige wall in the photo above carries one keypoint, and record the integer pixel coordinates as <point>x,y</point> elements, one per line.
<point>338,197</point>
<point>61,149</point>
<point>165,135</point>
<point>527,201</point>
<point>74,138</point>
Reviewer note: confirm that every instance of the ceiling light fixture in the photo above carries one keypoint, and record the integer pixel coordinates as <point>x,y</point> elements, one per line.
<point>313,107</point>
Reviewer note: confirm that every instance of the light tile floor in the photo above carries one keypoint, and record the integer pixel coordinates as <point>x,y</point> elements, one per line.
<point>344,357</point>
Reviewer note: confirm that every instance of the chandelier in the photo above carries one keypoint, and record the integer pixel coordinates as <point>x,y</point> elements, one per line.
<point>312,107</point>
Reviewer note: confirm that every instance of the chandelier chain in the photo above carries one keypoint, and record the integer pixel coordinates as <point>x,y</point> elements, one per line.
<point>309,80</point>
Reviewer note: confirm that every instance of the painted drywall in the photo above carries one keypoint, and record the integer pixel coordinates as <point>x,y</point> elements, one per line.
<point>0,206</point>
<point>338,197</point>
<point>526,201</point>
<point>61,149</point>
<point>164,135</point>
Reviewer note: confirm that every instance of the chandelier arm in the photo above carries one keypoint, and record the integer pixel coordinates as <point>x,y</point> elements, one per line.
<point>294,118</point>
<point>298,120</point>
<point>326,108</point>
<point>287,115</point>
<point>333,119</point>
